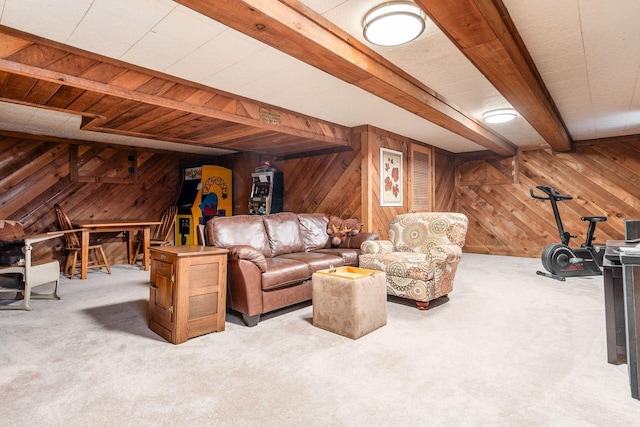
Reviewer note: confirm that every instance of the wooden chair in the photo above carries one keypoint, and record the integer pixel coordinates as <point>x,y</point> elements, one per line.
<point>161,235</point>
<point>22,273</point>
<point>202,240</point>
<point>73,247</point>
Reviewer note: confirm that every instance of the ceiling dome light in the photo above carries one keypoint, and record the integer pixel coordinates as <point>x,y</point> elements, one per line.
<point>393,23</point>
<point>500,116</point>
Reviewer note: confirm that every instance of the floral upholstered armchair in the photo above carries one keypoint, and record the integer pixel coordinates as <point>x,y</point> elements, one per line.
<point>421,256</point>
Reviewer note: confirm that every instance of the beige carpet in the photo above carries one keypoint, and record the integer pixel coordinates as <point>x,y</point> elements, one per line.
<point>508,348</point>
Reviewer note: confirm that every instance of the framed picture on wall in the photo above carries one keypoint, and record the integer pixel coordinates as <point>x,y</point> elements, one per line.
<point>390,177</point>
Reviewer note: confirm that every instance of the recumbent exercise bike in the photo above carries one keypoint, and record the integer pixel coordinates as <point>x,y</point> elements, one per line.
<point>558,258</point>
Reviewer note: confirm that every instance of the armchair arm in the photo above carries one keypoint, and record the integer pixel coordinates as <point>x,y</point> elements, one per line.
<point>247,253</point>
<point>376,247</point>
<point>445,254</point>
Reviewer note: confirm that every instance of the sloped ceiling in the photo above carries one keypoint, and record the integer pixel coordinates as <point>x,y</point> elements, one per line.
<point>571,67</point>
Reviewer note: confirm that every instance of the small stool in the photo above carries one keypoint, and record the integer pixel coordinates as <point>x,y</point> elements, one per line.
<point>349,301</point>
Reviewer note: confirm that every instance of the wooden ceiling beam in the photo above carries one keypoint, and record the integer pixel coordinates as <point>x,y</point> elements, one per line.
<point>485,34</point>
<point>291,27</point>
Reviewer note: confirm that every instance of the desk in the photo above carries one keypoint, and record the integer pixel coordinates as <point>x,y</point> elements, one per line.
<point>614,303</point>
<point>631,276</point>
<point>622,310</point>
<point>89,226</point>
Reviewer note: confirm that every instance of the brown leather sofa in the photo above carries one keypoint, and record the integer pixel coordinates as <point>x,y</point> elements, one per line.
<point>272,258</point>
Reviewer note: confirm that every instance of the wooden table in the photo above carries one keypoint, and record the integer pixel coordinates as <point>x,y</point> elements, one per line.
<point>89,226</point>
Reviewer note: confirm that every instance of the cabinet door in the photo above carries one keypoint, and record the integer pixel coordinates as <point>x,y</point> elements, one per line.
<point>206,292</point>
<point>161,299</point>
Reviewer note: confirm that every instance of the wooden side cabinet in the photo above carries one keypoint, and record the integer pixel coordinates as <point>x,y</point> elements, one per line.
<point>188,291</point>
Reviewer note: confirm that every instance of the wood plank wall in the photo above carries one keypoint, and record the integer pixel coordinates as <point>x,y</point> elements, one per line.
<point>35,175</point>
<point>377,218</point>
<point>327,183</point>
<point>444,164</point>
<point>346,184</point>
<point>494,193</point>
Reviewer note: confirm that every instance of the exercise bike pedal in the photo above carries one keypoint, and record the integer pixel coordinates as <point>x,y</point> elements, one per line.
<point>551,275</point>
<point>576,261</point>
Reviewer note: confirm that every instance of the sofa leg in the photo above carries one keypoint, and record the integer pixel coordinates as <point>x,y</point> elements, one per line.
<point>251,320</point>
<point>422,305</point>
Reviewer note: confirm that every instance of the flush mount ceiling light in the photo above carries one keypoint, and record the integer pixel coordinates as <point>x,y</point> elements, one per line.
<point>500,116</point>
<point>393,23</point>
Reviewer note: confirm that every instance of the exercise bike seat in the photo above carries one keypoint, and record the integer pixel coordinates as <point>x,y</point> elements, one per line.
<point>594,218</point>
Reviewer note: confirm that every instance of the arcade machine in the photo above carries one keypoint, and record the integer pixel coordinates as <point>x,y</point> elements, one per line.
<point>267,191</point>
<point>205,193</point>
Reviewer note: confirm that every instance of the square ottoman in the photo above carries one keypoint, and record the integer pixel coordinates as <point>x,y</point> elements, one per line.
<point>349,301</point>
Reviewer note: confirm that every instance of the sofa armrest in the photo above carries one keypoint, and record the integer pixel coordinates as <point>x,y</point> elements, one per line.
<point>247,253</point>
<point>376,247</point>
<point>354,242</point>
<point>445,253</point>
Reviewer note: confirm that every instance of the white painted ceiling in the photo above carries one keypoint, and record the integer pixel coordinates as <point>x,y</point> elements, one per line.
<point>587,52</point>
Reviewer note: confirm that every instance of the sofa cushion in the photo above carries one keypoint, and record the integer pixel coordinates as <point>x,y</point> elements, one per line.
<point>314,231</point>
<point>283,272</point>
<point>349,256</point>
<point>284,234</point>
<point>317,260</point>
<point>239,230</point>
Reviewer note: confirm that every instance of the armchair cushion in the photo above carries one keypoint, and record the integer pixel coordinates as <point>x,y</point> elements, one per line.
<point>376,247</point>
<point>416,231</point>
<point>413,265</point>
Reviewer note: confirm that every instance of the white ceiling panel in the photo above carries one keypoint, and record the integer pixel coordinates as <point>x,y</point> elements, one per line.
<point>157,51</point>
<point>14,115</point>
<point>591,64</point>
<point>268,85</point>
<point>37,121</point>
<point>322,6</point>
<point>437,63</point>
<point>106,34</point>
<point>188,26</point>
<point>144,13</point>
<point>227,48</point>
<point>587,53</point>
<point>54,20</point>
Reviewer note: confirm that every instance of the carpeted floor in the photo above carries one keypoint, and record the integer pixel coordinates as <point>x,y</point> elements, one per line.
<point>508,348</point>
